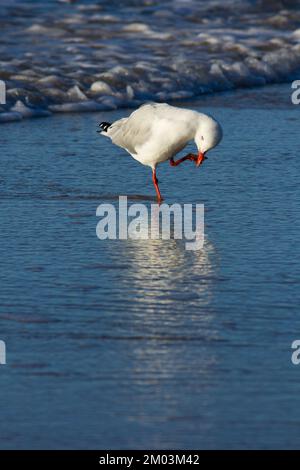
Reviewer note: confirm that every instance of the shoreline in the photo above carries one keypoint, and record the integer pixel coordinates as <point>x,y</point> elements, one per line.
<point>87,57</point>
<point>212,98</point>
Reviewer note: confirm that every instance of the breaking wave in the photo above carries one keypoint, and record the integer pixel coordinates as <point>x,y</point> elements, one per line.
<point>76,56</point>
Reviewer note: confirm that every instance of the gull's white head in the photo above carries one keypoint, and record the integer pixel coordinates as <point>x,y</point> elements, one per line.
<point>208,135</point>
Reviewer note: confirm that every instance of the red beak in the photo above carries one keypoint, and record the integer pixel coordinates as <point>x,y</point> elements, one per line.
<point>201,158</point>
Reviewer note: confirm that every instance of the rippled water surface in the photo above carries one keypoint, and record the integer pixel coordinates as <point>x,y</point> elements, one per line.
<point>142,344</point>
<point>94,55</point>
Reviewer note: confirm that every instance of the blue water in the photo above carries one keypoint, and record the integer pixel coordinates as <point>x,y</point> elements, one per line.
<point>142,344</point>
<point>60,56</point>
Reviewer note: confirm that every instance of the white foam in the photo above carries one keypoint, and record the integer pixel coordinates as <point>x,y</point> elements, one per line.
<point>92,57</point>
<point>27,112</point>
<point>75,94</point>
<point>101,87</point>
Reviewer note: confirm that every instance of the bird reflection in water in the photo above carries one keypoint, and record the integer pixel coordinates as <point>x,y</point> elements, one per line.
<point>171,325</point>
<point>163,276</point>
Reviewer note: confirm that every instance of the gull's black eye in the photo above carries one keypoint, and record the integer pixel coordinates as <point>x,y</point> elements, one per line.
<point>202,138</point>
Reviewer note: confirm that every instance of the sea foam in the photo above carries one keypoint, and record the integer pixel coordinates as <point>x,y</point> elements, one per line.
<point>81,56</point>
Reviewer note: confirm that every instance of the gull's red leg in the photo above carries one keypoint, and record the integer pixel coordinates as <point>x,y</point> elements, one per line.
<point>189,156</point>
<point>155,182</point>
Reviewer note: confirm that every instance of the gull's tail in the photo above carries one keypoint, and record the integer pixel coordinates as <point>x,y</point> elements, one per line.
<point>104,126</point>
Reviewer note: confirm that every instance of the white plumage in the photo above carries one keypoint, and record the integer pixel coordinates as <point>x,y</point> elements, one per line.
<point>156,132</point>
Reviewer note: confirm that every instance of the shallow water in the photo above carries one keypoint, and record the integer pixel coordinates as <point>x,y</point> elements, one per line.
<point>86,55</point>
<point>142,344</point>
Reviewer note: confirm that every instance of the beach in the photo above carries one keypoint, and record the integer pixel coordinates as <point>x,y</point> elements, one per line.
<point>139,343</point>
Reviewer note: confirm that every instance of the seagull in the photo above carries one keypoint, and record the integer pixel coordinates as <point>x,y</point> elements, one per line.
<point>156,132</point>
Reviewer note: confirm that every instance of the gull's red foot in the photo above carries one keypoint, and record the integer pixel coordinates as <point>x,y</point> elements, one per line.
<point>198,159</point>
<point>189,156</point>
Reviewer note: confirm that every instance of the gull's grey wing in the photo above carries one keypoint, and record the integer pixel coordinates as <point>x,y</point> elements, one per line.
<point>132,132</point>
